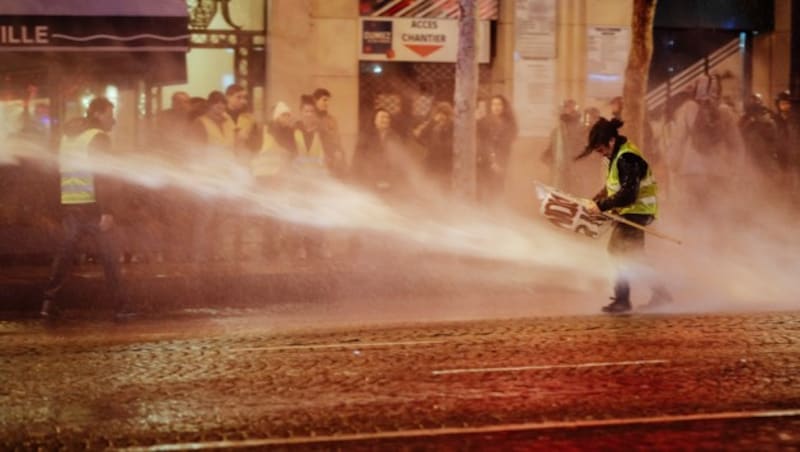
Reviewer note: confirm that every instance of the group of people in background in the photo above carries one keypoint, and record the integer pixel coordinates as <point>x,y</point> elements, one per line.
<point>772,135</point>
<point>307,141</point>
<point>392,164</point>
<point>394,160</point>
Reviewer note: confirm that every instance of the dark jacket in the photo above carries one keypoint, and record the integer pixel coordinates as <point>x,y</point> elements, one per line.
<point>331,143</point>
<point>495,137</point>
<point>788,132</point>
<point>438,142</point>
<point>171,130</point>
<point>376,160</point>
<point>760,133</point>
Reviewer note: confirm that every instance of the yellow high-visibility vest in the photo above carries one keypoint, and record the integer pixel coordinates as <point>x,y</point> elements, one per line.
<point>309,158</point>
<point>218,136</point>
<point>646,202</point>
<point>240,129</point>
<point>77,181</point>
<point>270,159</point>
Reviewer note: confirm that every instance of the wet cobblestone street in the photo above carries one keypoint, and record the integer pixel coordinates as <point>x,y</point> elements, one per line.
<point>246,380</point>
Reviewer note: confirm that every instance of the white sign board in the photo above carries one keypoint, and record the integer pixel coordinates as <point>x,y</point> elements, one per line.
<point>607,56</point>
<point>534,96</point>
<point>565,212</point>
<point>412,39</point>
<point>535,28</point>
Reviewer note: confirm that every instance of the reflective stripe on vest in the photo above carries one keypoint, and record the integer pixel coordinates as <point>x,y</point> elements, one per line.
<point>270,159</point>
<point>77,182</point>
<point>646,202</point>
<point>309,158</point>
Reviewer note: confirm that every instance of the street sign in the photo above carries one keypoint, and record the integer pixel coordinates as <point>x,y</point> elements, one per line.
<point>93,26</point>
<point>415,39</point>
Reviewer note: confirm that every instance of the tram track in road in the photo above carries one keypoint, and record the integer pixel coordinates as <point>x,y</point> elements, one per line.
<point>409,383</point>
<point>417,434</point>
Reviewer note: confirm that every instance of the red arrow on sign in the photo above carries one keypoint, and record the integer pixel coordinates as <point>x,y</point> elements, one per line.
<point>423,50</point>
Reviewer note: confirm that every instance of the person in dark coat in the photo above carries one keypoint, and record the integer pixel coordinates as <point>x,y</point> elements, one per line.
<point>566,141</point>
<point>496,133</point>
<point>329,133</point>
<point>436,136</point>
<point>760,134</point>
<point>378,163</point>
<point>787,121</point>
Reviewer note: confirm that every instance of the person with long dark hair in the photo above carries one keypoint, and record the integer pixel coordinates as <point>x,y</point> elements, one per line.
<point>436,135</point>
<point>496,133</point>
<point>378,163</point>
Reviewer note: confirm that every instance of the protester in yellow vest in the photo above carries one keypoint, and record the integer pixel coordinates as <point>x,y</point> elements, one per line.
<point>310,158</point>
<point>209,130</point>
<point>630,191</point>
<point>86,208</point>
<point>226,130</point>
<point>271,169</point>
<point>240,124</point>
<point>309,166</point>
<point>278,146</point>
<point>210,139</point>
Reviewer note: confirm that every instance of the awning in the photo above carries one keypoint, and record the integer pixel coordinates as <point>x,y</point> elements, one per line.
<point>93,26</point>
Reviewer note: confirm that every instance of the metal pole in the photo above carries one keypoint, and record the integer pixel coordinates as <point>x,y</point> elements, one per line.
<point>465,97</point>
<point>794,68</point>
<point>746,52</point>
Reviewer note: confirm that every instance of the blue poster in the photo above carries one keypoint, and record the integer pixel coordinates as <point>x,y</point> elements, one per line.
<point>376,37</point>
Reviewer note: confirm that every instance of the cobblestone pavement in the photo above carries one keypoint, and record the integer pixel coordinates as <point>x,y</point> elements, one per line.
<point>247,380</point>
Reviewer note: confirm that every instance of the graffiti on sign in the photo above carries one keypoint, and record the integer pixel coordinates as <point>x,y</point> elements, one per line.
<point>564,212</point>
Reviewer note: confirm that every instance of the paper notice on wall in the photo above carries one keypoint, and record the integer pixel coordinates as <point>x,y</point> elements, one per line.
<point>534,96</point>
<point>607,56</point>
<point>535,28</point>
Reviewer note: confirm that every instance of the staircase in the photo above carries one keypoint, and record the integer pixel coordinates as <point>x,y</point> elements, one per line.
<point>677,83</point>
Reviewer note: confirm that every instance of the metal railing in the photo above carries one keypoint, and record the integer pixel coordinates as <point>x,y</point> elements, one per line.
<point>659,96</point>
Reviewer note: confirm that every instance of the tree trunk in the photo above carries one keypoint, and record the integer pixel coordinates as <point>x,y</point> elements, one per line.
<point>634,93</point>
<point>465,97</point>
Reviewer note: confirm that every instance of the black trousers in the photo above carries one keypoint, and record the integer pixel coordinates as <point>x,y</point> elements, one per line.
<point>79,222</point>
<point>627,243</point>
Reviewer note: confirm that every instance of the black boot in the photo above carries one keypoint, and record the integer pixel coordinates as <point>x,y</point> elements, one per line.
<point>621,299</point>
<point>49,310</point>
<point>617,306</point>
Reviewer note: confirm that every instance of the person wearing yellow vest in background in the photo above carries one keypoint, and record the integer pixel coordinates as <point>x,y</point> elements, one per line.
<point>278,146</point>
<point>630,191</point>
<point>240,125</point>
<point>309,164</point>
<point>85,204</point>
<point>212,140</point>
<point>310,157</point>
<point>209,129</point>
<point>270,168</point>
